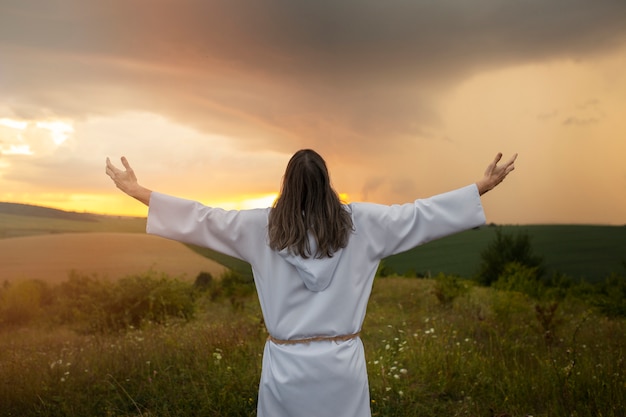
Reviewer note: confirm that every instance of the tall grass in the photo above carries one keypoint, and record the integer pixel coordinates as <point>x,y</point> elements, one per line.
<point>489,355</point>
<point>207,367</point>
<point>486,352</point>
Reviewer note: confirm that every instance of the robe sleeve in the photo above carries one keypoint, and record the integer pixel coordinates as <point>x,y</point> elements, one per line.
<point>231,232</point>
<point>398,228</point>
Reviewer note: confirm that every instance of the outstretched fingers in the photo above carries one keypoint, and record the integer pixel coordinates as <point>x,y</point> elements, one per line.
<point>509,166</point>
<point>126,164</point>
<point>110,168</point>
<point>492,166</point>
<point>495,174</point>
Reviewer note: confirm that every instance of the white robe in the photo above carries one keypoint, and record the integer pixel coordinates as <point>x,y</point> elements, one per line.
<point>303,298</point>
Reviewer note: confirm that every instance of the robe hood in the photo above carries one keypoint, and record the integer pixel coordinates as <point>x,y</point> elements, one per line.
<point>316,273</point>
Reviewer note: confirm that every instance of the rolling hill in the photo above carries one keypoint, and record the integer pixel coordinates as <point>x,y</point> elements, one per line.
<point>39,211</point>
<point>51,258</point>
<point>44,243</point>
<point>580,251</point>
<point>24,220</point>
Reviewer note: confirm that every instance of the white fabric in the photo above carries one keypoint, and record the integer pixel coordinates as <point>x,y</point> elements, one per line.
<point>303,298</point>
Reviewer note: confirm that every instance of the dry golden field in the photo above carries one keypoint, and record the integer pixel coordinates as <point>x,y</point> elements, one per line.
<point>107,255</point>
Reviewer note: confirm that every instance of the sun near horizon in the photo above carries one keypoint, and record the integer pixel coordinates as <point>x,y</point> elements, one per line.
<point>118,204</point>
<point>122,205</point>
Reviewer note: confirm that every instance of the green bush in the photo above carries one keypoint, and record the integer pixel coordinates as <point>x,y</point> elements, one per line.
<point>447,288</point>
<point>503,250</point>
<point>146,298</point>
<point>204,281</point>
<point>384,270</point>
<point>82,301</point>
<point>520,278</point>
<point>610,296</point>
<point>235,287</point>
<point>94,305</point>
<point>21,303</point>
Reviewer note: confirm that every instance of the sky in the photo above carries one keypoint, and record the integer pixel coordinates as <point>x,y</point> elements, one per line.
<point>208,100</point>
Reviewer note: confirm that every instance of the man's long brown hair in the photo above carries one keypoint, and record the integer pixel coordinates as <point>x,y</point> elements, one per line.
<point>308,204</point>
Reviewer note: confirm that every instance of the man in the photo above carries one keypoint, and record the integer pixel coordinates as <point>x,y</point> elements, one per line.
<point>314,260</point>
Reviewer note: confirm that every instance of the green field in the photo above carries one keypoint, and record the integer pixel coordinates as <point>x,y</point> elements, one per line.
<point>579,251</point>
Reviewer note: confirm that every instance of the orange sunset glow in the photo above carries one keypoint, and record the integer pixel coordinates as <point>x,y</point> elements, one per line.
<point>208,101</point>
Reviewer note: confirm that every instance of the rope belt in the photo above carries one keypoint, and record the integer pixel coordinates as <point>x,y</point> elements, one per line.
<point>340,338</point>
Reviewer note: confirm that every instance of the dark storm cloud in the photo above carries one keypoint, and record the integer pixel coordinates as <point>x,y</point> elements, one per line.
<point>351,74</point>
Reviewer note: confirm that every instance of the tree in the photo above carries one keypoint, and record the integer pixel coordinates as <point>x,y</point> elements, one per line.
<point>204,280</point>
<point>505,249</point>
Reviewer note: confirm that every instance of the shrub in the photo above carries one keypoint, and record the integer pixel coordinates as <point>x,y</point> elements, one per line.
<point>504,249</point>
<point>93,305</point>
<point>81,301</point>
<point>610,296</point>
<point>203,281</point>
<point>142,298</point>
<point>447,288</point>
<point>235,287</point>
<point>520,278</point>
<point>512,311</point>
<point>384,270</point>
<point>21,302</point>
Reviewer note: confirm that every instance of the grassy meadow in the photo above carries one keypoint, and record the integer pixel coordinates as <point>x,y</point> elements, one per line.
<point>484,353</point>
<point>158,344</point>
